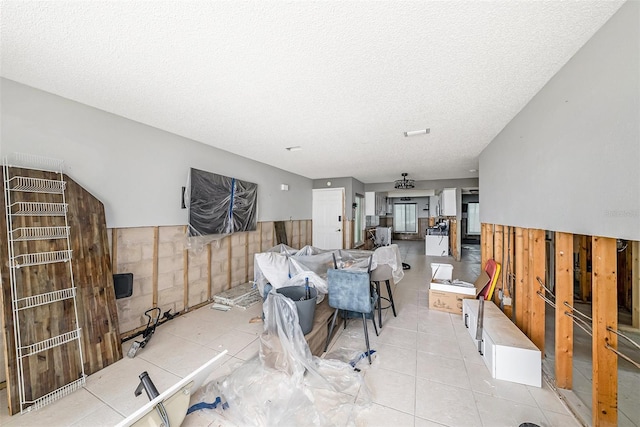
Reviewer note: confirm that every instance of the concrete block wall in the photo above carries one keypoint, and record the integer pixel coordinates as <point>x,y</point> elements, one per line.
<point>158,256</point>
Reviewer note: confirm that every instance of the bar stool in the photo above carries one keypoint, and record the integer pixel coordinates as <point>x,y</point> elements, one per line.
<point>383,273</point>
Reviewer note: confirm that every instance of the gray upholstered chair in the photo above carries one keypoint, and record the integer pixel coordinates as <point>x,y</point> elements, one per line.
<point>350,292</point>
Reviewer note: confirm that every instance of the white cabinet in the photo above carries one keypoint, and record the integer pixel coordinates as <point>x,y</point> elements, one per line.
<point>369,203</point>
<point>505,349</point>
<point>375,204</point>
<point>448,202</point>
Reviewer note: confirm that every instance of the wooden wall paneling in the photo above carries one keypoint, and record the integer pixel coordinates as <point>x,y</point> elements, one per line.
<point>95,296</point>
<point>154,273</point>
<point>635,280</point>
<point>537,253</point>
<point>519,285</point>
<point>563,324</point>
<point>498,255</point>
<point>605,315</point>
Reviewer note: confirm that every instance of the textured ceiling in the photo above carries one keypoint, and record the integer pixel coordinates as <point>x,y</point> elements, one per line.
<point>343,80</point>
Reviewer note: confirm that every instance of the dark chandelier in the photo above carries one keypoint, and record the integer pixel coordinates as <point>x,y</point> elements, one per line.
<point>404,183</point>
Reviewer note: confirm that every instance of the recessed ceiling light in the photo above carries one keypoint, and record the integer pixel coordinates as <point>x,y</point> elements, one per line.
<point>296,148</point>
<point>473,170</point>
<point>417,132</point>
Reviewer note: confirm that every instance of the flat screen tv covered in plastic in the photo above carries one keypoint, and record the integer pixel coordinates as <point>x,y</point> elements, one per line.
<point>220,205</point>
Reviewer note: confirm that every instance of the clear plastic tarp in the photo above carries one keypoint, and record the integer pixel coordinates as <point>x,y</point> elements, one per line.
<point>285,385</point>
<point>284,266</point>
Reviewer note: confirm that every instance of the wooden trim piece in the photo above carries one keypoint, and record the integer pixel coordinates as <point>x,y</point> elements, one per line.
<point>564,324</point>
<point>185,273</point>
<point>154,268</point>
<point>605,314</point>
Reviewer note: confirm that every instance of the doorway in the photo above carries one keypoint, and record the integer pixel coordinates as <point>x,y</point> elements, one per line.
<point>327,218</point>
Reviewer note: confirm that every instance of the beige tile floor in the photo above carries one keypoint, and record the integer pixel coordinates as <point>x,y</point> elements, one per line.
<point>426,370</point>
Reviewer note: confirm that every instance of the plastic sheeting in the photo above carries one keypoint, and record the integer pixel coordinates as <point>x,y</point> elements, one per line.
<point>285,385</point>
<point>219,204</point>
<point>284,266</point>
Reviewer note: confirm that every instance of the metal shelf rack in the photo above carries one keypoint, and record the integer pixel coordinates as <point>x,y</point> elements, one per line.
<point>19,205</point>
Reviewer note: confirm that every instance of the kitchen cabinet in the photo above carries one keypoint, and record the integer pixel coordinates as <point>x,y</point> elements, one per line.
<point>375,203</point>
<point>448,202</point>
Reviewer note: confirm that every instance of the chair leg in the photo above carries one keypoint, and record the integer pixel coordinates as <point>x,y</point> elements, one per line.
<point>393,307</point>
<point>344,319</point>
<point>373,320</point>
<point>379,304</point>
<point>366,336</point>
<point>333,323</point>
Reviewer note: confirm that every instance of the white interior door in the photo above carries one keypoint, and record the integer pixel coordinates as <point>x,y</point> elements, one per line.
<point>327,217</point>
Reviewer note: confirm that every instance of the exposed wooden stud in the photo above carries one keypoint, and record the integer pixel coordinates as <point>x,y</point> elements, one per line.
<point>605,315</point>
<point>486,247</point>
<point>260,236</point>
<point>246,257</point>
<point>185,273</point>
<point>635,285</point>
<point>114,250</point>
<point>508,273</point>
<point>229,263</point>
<point>209,273</point>
<point>154,267</point>
<point>585,277</point>
<point>526,290</point>
<point>518,292</point>
<point>498,254</point>
<point>299,235</point>
<point>564,324</point>
<point>537,269</point>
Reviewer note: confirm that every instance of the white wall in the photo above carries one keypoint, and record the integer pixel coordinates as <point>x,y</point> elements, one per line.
<point>570,160</point>
<point>137,171</point>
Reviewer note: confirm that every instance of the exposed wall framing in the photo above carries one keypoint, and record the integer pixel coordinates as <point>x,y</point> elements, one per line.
<point>598,261</point>
<point>175,276</point>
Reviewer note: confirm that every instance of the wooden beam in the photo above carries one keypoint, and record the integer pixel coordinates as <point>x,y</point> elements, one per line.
<point>185,273</point>
<point>635,285</point>
<point>509,250</point>
<point>526,281</point>
<point>154,267</point>
<point>564,324</point>
<point>605,315</point>
<point>260,236</point>
<point>537,255</point>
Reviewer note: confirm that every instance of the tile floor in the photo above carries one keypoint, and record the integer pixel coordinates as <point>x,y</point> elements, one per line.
<point>426,371</point>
